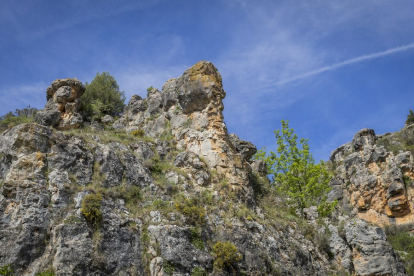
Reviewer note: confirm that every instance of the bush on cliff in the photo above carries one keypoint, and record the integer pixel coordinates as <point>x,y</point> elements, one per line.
<point>226,255</point>
<point>103,97</point>
<point>295,174</point>
<point>91,208</point>
<point>6,270</point>
<point>19,116</point>
<point>410,118</point>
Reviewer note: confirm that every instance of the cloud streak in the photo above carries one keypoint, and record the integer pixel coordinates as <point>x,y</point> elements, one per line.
<point>78,19</point>
<point>347,62</point>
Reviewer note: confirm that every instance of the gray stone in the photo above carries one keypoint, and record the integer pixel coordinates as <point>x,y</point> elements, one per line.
<point>48,117</point>
<point>363,137</point>
<point>375,255</point>
<point>107,119</point>
<point>176,248</point>
<point>63,95</point>
<point>246,149</point>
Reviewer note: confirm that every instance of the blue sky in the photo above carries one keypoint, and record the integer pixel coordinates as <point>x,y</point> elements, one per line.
<point>330,67</point>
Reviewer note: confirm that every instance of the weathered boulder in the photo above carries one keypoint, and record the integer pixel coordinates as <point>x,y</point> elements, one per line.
<point>247,149</point>
<point>63,104</point>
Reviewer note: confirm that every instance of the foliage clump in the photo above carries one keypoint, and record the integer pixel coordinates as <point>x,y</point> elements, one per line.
<point>138,133</point>
<point>198,271</point>
<point>192,209</point>
<point>195,239</point>
<point>45,273</point>
<point>168,268</point>
<point>91,208</point>
<point>6,270</point>
<point>402,242</point>
<point>410,118</point>
<point>103,97</point>
<point>226,254</point>
<point>295,174</point>
<point>19,116</point>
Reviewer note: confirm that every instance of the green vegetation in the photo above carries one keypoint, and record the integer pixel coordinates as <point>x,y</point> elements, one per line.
<point>192,209</point>
<point>6,270</point>
<point>103,97</point>
<point>410,118</point>
<point>402,242</point>
<point>168,268</point>
<point>90,135</point>
<point>91,208</point>
<point>149,89</point>
<point>226,254</point>
<point>45,273</point>
<point>19,116</point>
<point>399,141</point>
<point>195,239</point>
<point>198,271</point>
<point>295,174</point>
<point>138,133</point>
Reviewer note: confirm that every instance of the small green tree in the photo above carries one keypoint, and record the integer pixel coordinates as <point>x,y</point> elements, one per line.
<point>103,97</point>
<point>410,118</point>
<point>295,174</point>
<point>6,270</point>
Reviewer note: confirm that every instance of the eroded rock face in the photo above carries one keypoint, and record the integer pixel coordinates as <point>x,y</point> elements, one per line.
<point>167,198</point>
<point>41,172</point>
<point>374,181</point>
<point>189,108</point>
<point>363,249</point>
<point>63,104</point>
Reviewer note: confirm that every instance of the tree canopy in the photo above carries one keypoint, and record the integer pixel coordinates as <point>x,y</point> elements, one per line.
<point>295,174</point>
<point>410,118</point>
<point>103,97</point>
<point>20,116</point>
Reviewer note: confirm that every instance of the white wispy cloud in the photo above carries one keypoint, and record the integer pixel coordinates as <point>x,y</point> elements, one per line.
<point>82,17</point>
<point>338,65</point>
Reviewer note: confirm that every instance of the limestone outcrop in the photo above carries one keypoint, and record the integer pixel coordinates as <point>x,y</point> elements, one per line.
<point>168,183</point>
<point>63,104</point>
<point>374,176</point>
<point>190,109</point>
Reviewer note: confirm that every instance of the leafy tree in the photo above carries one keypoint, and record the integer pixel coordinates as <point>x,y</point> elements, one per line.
<point>103,97</point>
<point>410,118</point>
<point>295,174</point>
<point>19,116</point>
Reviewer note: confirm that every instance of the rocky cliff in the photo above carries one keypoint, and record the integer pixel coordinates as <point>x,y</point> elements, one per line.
<point>165,190</point>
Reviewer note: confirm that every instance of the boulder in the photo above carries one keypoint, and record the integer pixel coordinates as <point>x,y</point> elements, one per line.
<point>247,149</point>
<point>63,104</point>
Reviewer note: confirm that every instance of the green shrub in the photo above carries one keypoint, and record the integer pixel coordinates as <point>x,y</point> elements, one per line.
<point>103,97</point>
<point>131,194</point>
<point>225,254</point>
<point>198,271</point>
<point>138,133</point>
<point>403,242</point>
<point>20,116</point>
<point>149,89</point>
<point>168,268</point>
<point>6,270</point>
<point>91,208</point>
<point>45,273</point>
<point>192,209</point>
<point>410,118</point>
<point>195,239</point>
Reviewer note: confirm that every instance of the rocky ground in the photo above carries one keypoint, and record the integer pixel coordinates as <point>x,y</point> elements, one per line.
<point>166,190</point>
